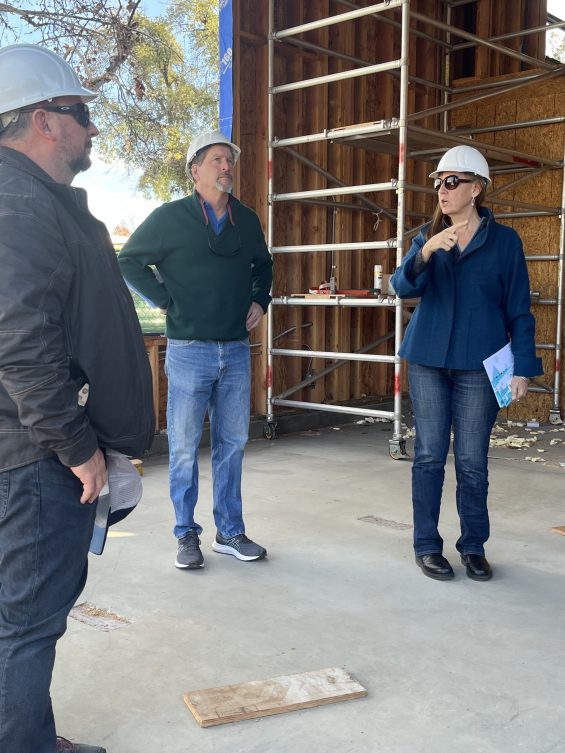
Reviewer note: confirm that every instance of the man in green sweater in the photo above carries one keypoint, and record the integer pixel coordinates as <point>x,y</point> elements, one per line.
<point>214,277</point>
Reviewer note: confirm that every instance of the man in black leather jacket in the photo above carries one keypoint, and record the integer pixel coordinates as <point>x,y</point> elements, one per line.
<point>67,324</point>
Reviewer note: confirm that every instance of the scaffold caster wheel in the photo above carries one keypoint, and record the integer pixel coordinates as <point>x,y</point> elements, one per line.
<point>397,449</point>
<point>555,416</point>
<point>270,429</point>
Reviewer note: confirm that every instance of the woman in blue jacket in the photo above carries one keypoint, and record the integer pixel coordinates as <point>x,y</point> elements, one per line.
<point>471,275</point>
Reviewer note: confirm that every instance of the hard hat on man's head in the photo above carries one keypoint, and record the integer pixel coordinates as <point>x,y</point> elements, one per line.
<point>206,140</point>
<point>463,159</point>
<point>31,74</point>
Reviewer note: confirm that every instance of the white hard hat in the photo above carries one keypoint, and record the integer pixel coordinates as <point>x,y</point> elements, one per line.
<point>209,139</point>
<point>463,159</point>
<point>30,74</point>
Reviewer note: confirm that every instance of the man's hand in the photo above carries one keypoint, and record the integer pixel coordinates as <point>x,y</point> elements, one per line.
<point>93,475</point>
<point>254,316</point>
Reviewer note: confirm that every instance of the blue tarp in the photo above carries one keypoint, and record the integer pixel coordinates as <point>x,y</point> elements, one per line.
<point>226,68</point>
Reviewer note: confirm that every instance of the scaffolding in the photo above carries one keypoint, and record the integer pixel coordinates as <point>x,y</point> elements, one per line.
<point>403,138</point>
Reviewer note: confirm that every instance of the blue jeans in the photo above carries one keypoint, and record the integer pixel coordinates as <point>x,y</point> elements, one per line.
<point>464,400</point>
<point>44,537</point>
<point>206,374</point>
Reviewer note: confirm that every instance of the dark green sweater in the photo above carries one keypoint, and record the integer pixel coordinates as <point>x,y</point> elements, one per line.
<point>208,281</point>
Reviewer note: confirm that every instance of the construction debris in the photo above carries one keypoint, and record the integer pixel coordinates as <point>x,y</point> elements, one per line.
<point>98,618</point>
<point>372,420</point>
<point>513,440</point>
<point>250,700</point>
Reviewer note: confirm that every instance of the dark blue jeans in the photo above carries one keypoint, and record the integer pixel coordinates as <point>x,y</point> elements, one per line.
<point>44,538</point>
<point>443,399</point>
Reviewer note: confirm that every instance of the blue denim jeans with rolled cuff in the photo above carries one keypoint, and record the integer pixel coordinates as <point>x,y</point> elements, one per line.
<point>213,376</point>
<point>45,533</point>
<point>442,400</point>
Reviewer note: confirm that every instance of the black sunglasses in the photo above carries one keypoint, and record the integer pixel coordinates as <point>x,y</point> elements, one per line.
<point>450,182</point>
<point>79,111</point>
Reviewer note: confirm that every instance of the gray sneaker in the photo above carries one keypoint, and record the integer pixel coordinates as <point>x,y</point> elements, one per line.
<point>66,746</point>
<point>239,546</point>
<point>188,553</point>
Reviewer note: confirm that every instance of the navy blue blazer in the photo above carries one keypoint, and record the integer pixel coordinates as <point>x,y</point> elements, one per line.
<point>472,304</point>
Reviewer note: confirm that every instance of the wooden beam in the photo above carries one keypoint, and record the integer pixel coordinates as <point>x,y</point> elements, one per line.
<point>251,700</point>
<point>152,348</point>
<point>254,40</point>
<point>483,30</point>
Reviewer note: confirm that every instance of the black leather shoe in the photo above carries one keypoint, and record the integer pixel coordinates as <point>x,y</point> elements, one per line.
<point>435,566</point>
<point>477,566</point>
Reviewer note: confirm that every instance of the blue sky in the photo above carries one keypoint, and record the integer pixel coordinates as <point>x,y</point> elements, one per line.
<point>112,197</point>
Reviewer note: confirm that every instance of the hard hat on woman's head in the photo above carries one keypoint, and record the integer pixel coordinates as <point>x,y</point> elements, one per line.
<point>463,159</point>
<point>206,140</point>
<point>30,74</point>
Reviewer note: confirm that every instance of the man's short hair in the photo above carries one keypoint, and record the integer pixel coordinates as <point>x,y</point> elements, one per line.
<point>16,128</point>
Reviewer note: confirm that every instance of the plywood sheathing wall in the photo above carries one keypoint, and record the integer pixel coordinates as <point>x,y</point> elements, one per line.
<point>540,235</point>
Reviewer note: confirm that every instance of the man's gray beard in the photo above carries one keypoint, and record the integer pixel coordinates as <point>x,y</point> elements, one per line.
<point>224,189</point>
<point>80,164</point>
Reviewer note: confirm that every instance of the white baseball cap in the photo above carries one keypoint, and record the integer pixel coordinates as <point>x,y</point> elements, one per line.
<point>117,499</point>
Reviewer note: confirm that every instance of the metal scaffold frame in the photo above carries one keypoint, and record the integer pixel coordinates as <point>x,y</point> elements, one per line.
<point>401,137</point>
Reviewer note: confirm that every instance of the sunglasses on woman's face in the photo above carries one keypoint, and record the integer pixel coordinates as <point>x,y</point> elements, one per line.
<point>450,182</point>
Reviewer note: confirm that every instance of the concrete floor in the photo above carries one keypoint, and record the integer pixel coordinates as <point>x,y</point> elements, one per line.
<point>456,667</point>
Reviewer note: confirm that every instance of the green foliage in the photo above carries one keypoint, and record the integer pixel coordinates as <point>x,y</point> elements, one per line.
<point>168,93</point>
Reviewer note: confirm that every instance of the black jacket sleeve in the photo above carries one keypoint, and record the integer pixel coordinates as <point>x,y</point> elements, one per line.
<point>35,360</point>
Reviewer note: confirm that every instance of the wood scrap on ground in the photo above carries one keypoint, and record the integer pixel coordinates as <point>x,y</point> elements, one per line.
<point>250,700</point>
<point>559,529</point>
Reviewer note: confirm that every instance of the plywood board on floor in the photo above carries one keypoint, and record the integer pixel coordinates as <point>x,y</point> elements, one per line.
<point>249,700</point>
<point>559,529</point>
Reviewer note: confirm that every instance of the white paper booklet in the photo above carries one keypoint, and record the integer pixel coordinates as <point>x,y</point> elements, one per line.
<point>500,369</point>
